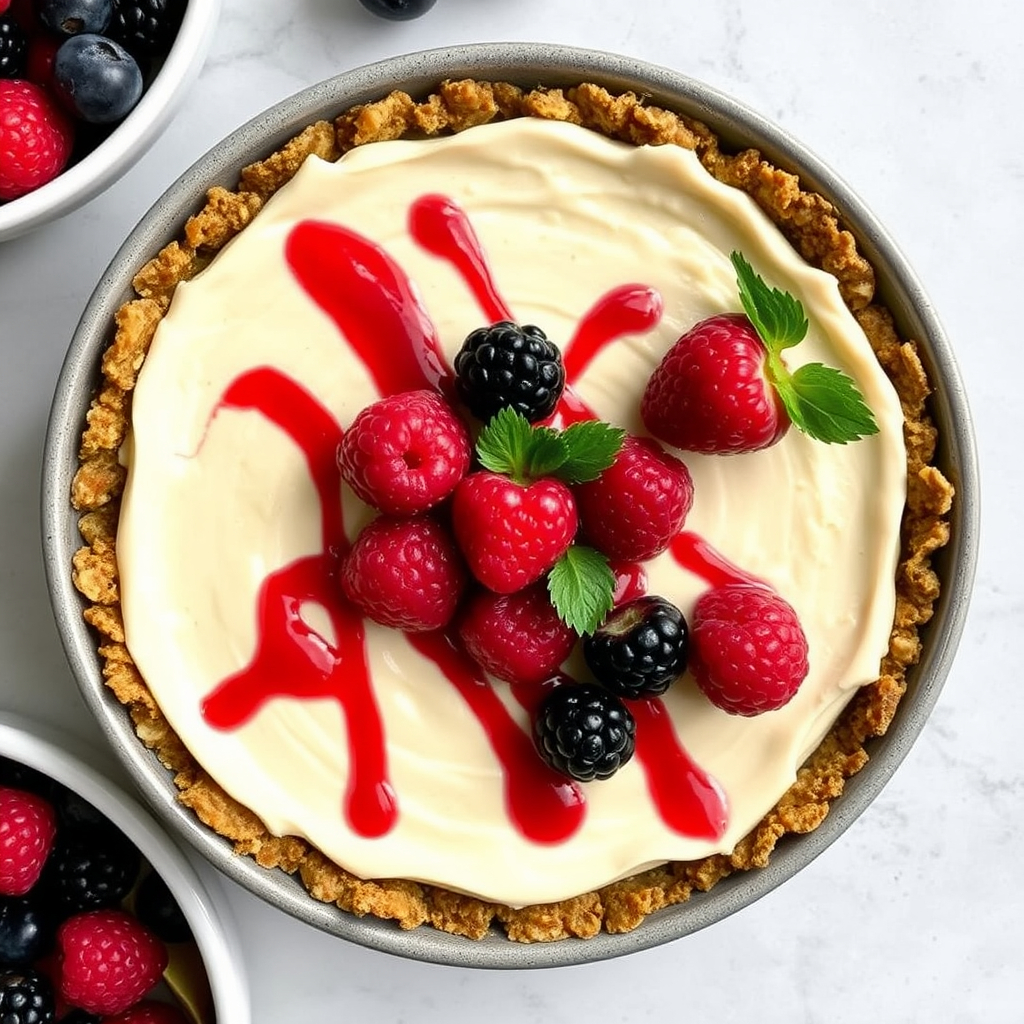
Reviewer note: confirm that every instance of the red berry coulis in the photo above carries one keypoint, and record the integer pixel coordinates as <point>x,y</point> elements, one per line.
<point>371,300</point>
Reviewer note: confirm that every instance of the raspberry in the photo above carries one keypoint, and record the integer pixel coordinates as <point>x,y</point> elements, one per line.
<point>516,637</point>
<point>584,732</point>
<point>508,366</point>
<point>404,573</point>
<point>149,1011</point>
<point>512,533</point>
<point>405,453</point>
<point>26,996</point>
<point>748,651</point>
<point>35,138</point>
<point>709,393</point>
<point>108,960</point>
<point>28,825</point>
<point>640,649</point>
<point>636,506</point>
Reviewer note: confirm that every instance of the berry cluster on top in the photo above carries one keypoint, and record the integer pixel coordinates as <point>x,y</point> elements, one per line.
<point>519,544</point>
<point>70,950</point>
<point>69,71</point>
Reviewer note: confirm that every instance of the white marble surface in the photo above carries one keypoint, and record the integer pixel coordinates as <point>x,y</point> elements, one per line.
<point>917,913</point>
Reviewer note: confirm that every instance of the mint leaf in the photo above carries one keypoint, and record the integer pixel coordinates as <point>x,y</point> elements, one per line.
<point>591,448</point>
<point>826,404</point>
<point>777,316</point>
<point>509,444</point>
<point>822,401</point>
<point>581,585</point>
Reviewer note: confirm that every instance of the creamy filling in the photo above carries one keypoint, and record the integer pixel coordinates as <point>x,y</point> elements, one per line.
<point>220,497</point>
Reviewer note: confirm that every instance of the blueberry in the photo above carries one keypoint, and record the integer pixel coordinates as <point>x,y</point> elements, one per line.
<point>97,78</point>
<point>398,10</point>
<point>73,17</point>
<point>26,930</point>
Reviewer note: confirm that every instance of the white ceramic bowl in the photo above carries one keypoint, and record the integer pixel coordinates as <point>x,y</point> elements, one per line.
<point>524,64</point>
<point>89,176</point>
<point>205,909</point>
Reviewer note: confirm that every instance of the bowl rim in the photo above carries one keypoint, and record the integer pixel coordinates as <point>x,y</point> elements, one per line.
<point>99,169</point>
<point>62,758</point>
<point>527,64</point>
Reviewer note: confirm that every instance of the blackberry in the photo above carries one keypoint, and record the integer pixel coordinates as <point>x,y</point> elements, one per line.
<point>13,49</point>
<point>584,732</point>
<point>93,866</point>
<point>509,366</point>
<point>146,28</point>
<point>640,648</point>
<point>26,997</point>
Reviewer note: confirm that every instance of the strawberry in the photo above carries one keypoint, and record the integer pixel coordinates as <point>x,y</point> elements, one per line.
<point>748,652</point>
<point>723,387</point>
<point>28,825</point>
<point>109,961</point>
<point>512,533</point>
<point>36,137</point>
<point>516,637</point>
<point>405,453</point>
<point>404,573</point>
<point>638,504</point>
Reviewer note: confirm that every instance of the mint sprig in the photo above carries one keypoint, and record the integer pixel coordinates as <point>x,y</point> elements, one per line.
<point>511,445</point>
<point>822,401</point>
<point>581,585</point>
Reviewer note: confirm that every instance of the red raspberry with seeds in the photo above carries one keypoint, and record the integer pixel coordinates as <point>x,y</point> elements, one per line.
<point>710,393</point>
<point>636,506</point>
<point>405,453</point>
<point>512,533</point>
<point>36,137</point>
<point>748,652</point>
<point>405,573</point>
<point>516,637</point>
<point>109,961</point>
<point>28,825</point>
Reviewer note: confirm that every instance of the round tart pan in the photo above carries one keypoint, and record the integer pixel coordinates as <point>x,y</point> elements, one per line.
<point>526,65</point>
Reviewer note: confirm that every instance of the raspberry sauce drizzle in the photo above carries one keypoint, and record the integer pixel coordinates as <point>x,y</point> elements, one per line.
<point>291,659</point>
<point>372,302</point>
<point>361,288</point>
<point>441,227</point>
<point>544,806</point>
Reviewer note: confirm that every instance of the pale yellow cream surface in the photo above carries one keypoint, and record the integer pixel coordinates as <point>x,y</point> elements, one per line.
<point>563,215</point>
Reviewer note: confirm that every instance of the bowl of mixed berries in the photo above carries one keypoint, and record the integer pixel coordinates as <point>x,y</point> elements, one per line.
<point>101,917</point>
<point>85,87</point>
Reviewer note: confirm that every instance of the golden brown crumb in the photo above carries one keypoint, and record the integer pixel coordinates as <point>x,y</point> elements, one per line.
<point>811,225</point>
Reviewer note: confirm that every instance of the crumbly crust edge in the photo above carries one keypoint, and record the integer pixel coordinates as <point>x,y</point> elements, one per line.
<point>813,228</point>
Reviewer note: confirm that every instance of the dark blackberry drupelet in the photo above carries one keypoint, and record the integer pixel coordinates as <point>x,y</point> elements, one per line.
<point>13,48</point>
<point>398,10</point>
<point>640,648</point>
<point>509,366</point>
<point>93,866</point>
<point>146,27</point>
<point>26,997</point>
<point>584,732</point>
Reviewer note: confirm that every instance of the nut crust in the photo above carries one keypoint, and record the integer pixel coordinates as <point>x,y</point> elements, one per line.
<point>812,226</point>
